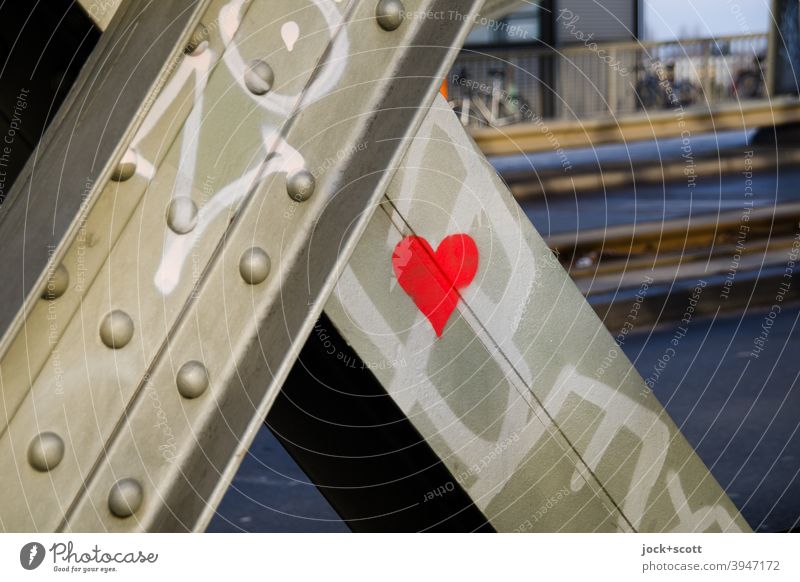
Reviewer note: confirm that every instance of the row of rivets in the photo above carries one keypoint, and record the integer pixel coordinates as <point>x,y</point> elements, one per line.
<point>259,79</point>
<point>46,450</point>
<point>116,331</point>
<point>45,453</point>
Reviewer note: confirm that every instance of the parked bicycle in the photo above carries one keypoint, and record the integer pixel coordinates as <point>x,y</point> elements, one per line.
<point>665,90</point>
<point>749,81</point>
<point>479,104</point>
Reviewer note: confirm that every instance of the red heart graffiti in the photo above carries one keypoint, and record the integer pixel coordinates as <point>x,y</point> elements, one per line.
<point>432,279</point>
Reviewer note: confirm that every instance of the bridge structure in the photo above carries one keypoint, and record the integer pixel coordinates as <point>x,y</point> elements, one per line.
<point>251,209</point>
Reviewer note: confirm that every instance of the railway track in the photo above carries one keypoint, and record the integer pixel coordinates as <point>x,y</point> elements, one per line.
<point>742,255</point>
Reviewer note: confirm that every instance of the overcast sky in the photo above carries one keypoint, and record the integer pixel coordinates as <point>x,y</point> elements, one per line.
<point>670,19</point>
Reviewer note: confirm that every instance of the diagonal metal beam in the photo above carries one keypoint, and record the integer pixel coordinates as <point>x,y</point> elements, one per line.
<point>390,73</point>
<point>525,397</point>
<point>198,318</point>
<point>86,140</point>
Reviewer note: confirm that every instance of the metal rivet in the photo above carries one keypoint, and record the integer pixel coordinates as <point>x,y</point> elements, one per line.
<point>126,166</point>
<point>116,330</point>
<point>390,14</point>
<point>57,283</point>
<point>259,77</point>
<point>254,265</point>
<point>45,451</point>
<point>192,379</point>
<point>300,185</point>
<point>182,215</point>
<point>198,43</point>
<point>125,497</point>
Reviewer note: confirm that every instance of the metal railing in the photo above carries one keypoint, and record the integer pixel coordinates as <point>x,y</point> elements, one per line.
<point>505,86</point>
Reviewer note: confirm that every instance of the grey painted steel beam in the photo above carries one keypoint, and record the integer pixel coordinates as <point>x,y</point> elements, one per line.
<point>388,78</point>
<point>525,397</point>
<point>84,143</point>
<point>245,180</point>
<point>202,266</point>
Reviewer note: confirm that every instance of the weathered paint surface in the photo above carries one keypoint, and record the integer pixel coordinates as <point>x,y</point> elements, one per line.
<point>515,396</point>
<point>202,247</point>
<point>526,397</point>
<point>206,138</point>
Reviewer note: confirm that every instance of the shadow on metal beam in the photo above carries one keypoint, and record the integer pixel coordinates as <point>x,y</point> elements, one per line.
<point>352,440</point>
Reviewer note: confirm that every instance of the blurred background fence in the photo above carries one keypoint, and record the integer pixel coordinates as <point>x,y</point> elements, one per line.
<point>510,84</point>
